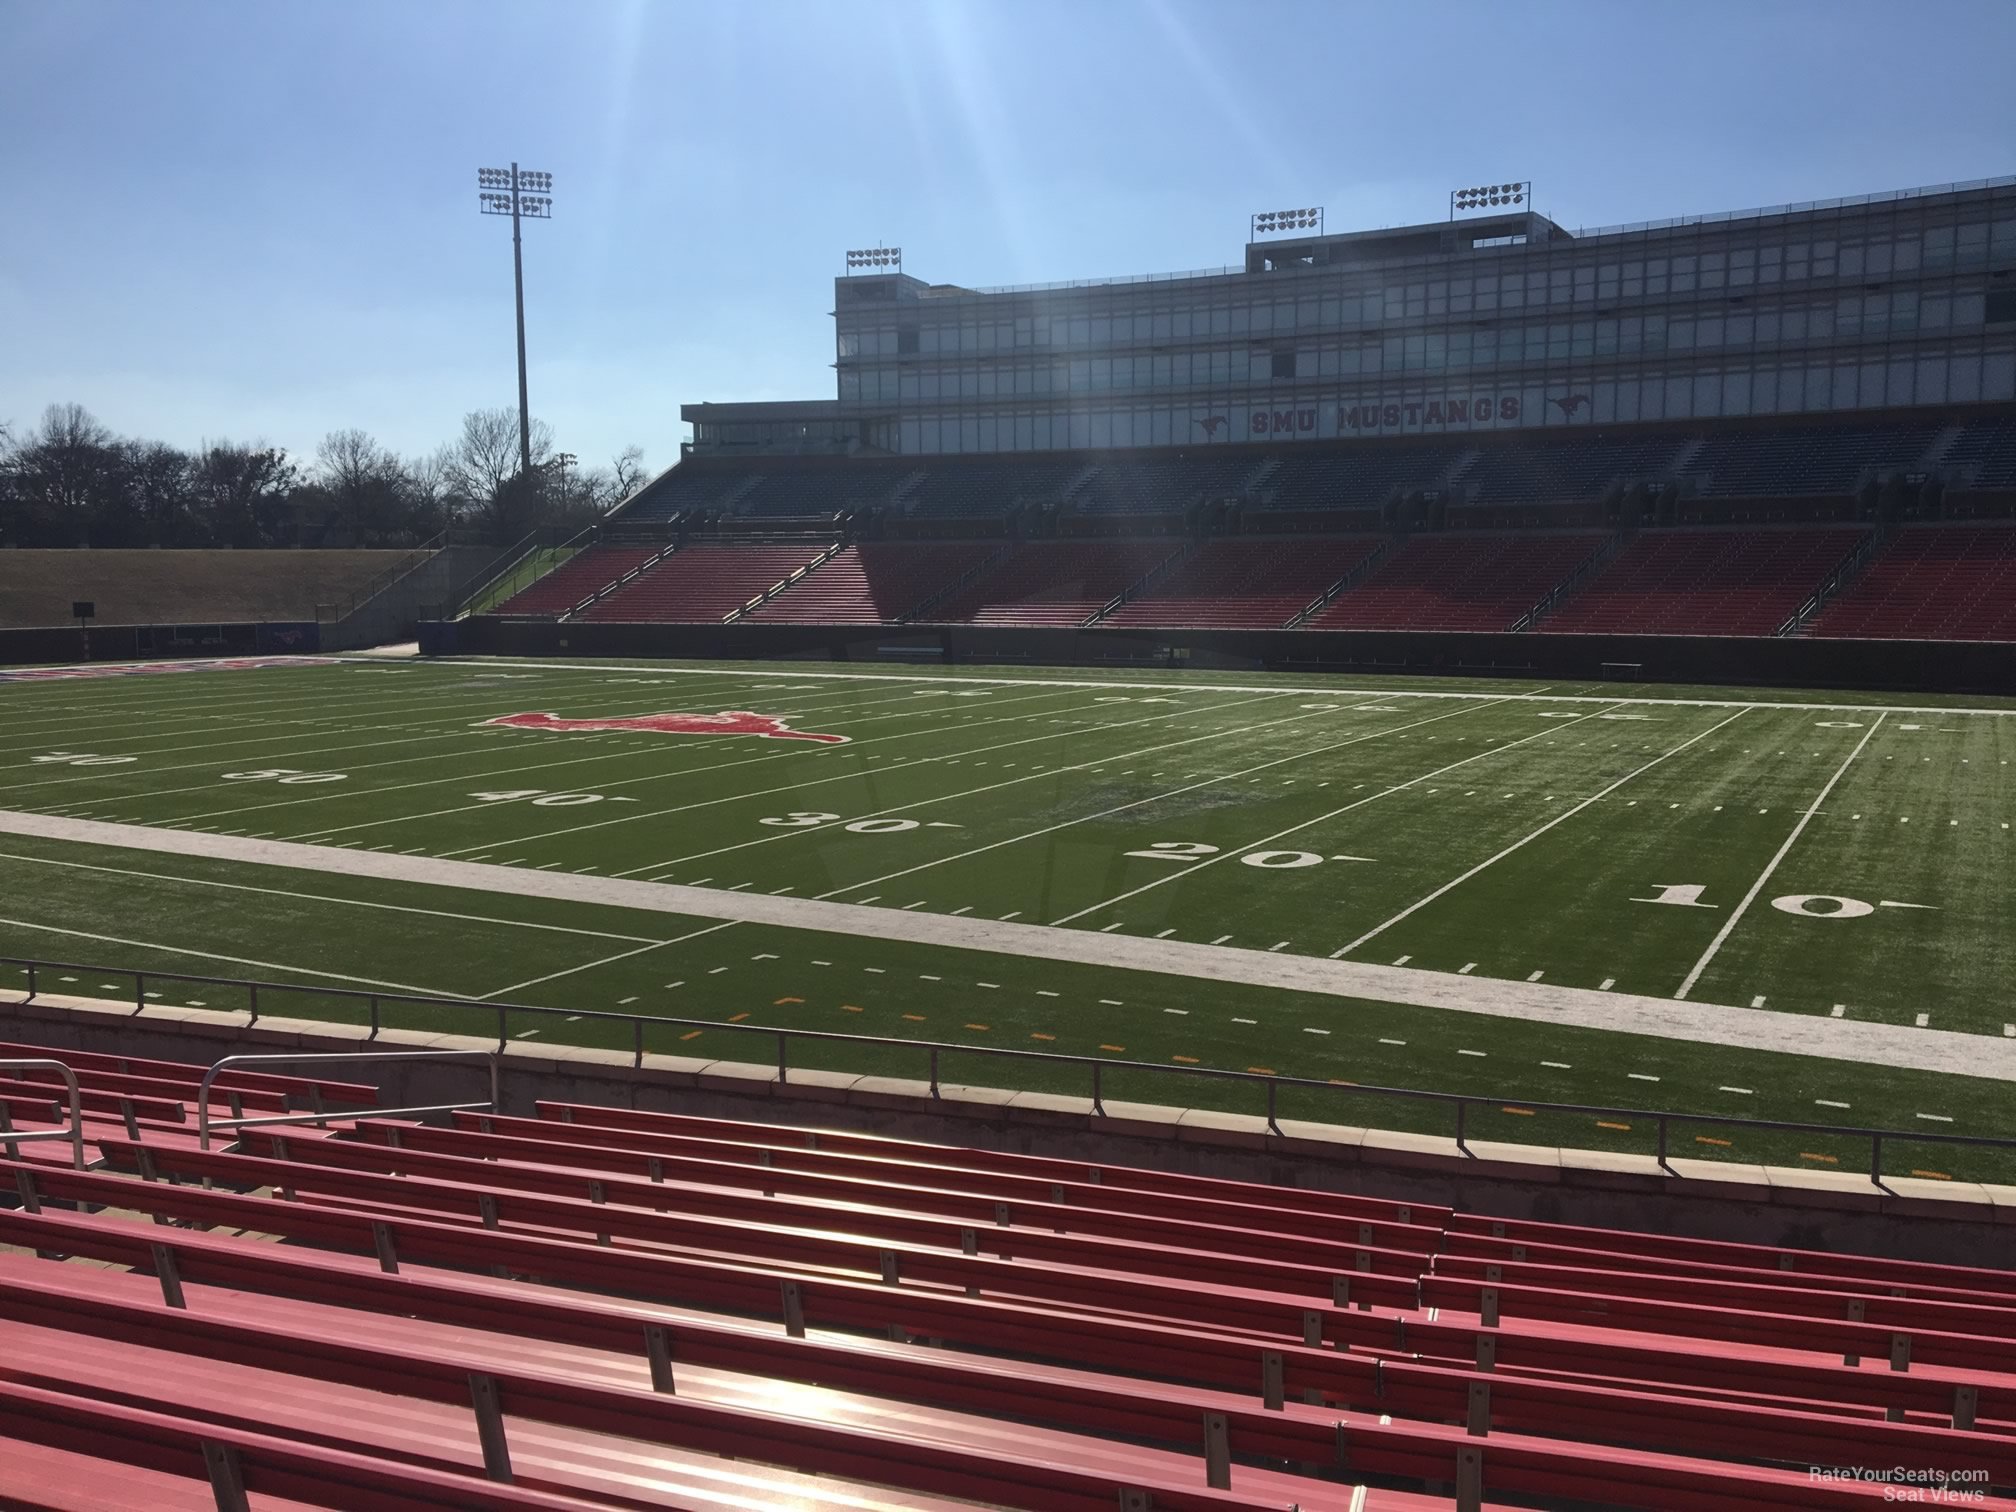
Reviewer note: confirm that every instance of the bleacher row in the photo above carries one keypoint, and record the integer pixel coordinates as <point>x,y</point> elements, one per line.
<point>1786,461</point>
<point>1947,582</point>
<point>605,1308</point>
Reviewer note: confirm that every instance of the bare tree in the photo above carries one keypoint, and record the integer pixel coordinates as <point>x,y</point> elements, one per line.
<point>65,474</point>
<point>240,493</point>
<point>484,470</point>
<point>627,473</point>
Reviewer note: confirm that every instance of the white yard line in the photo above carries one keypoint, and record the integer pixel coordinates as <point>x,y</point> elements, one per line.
<point>1559,818</point>
<point>1896,1045</point>
<point>1191,871</point>
<point>663,868</point>
<point>663,775</point>
<point>1162,797</point>
<point>1736,917</point>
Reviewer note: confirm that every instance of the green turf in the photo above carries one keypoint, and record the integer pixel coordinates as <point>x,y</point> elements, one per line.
<point>1492,836</point>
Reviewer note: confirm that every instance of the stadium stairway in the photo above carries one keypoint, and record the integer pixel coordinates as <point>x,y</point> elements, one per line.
<point>1931,582</point>
<point>872,582</point>
<point>578,578</point>
<point>1703,582</point>
<point>1458,581</point>
<point>701,583</point>
<point>596,1307</point>
<point>1053,582</point>
<point>1256,583</point>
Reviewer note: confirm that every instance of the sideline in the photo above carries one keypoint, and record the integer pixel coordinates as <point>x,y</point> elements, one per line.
<point>1907,1048</point>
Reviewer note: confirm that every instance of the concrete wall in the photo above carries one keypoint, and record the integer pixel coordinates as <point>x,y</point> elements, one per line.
<point>1953,1222</point>
<point>1928,666</point>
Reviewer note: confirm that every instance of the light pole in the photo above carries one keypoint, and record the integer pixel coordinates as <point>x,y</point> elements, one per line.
<point>517,192</point>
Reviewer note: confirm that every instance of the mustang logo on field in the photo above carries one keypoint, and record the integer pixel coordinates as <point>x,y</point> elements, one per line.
<point>729,722</point>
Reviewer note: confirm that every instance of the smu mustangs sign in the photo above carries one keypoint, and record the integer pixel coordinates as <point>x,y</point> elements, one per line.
<point>729,722</point>
<point>1431,414</point>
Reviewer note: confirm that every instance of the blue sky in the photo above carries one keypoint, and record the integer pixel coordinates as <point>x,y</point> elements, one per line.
<point>258,220</point>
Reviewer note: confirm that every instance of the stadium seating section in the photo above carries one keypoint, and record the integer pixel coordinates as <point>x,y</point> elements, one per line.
<point>1051,582</point>
<point>1790,460</point>
<point>1704,582</point>
<point>1458,582</point>
<point>874,582</point>
<point>701,583</point>
<point>601,1308</point>
<point>582,574</point>
<point>1246,584</point>
<point>1479,533</point>
<point>1932,582</point>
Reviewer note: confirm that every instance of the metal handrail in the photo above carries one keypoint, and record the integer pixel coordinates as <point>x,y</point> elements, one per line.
<point>204,1122</point>
<point>9,1137</point>
<point>1096,1069</point>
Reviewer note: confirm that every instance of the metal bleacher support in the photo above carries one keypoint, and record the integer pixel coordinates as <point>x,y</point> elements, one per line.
<point>205,1123</point>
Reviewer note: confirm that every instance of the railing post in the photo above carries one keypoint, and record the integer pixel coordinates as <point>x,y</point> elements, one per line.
<point>503,1026</point>
<point>1662,1144</point>
<point>783,1064</point>
<point>934,1071</point>
<point>1876,1159</point>
<point>31,981</point>
<point>139,990</point>
<point>374,1016</point>
<point>638,1059</point>
<point>1098,1088</point>
<point>1462,1112</point>
<point>254,989</point>
<point>1273,1124</point>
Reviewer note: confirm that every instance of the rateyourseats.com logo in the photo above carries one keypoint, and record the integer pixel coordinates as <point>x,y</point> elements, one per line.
<point>1943,1486</point>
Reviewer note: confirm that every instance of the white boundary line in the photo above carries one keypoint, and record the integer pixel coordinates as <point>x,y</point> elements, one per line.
<point>1900,1046</point>
<point>326,898</point>
<point>211,955</point>
<point>624,955</point>
<point>1566,814</point>
<point>1764,876</point>
<point>1305,687</point>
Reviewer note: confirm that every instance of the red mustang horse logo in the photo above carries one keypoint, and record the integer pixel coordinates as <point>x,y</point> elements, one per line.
<point>730,722</point>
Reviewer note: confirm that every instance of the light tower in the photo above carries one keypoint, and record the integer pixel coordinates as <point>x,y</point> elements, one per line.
<point>518,193</point>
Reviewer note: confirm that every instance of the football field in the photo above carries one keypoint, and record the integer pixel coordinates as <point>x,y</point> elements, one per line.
<point>1740,903</point>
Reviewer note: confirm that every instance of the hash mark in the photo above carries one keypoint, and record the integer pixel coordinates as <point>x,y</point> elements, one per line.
<point>1739,1091</point>
<point>1558,1065</point>
<point>1480,1054</point>
<point>1606,984</point>
<point>1468,967</point>
<point>1640,1076</point>
<point>1392,1042</point>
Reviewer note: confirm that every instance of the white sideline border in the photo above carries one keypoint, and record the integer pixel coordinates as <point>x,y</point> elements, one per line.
<point>1539,695</point>
<point>1940,1051</point>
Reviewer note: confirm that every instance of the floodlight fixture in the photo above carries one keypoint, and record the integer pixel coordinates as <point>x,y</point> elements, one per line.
<point>1490,197</point>
<point>522,195</point>
<point>875,257</point>
<point>1273,222</point>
